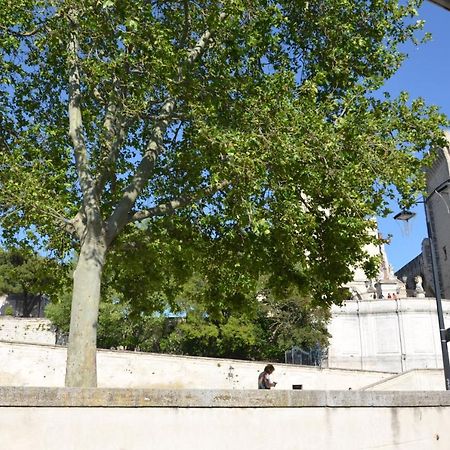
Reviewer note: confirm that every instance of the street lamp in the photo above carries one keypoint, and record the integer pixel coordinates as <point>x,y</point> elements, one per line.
<point>405,215</point>
<point>443,333</point>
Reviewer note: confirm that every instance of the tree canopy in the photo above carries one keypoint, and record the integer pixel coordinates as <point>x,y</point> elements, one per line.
<point>241,136</point>
<point>260,327</point>
<point>33,277</point>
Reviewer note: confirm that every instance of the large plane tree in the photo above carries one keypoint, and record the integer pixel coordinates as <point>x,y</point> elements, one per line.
<point>249,127</point>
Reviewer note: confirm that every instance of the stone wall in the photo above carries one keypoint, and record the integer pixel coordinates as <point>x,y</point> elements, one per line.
<point>413,380</point>
<point>43,365</point>
<point>93,419</point>
<point>391,335</point>
<point>31,330</point>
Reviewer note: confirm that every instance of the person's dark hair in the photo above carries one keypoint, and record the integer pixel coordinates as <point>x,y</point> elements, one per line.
<point>269,368</point>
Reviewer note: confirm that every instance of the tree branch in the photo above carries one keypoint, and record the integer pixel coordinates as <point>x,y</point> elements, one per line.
<point>90,199</point>
<point>23,33</point>
<point>187,22</point>
<point>202,44</point>
<point>15,207</point>
<point>115,131</point>
<point>170,207</point>
<point>120,216</point>
<point>75,118</point>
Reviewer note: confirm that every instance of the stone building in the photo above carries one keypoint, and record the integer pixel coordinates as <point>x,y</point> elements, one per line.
<point>385,285</point>
<point>420,265</point>
<point>438,204</point>
<point>390,324</point>
<point>385,326</point>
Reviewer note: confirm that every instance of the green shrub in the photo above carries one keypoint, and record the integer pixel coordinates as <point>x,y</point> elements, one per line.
<point>9,311</point>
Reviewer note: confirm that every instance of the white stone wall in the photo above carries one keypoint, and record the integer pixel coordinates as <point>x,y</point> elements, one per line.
<point>40,365</point>
<point>391,335</point>
<point>413,380</point>
<point>31,330</point>
<point>269,424</point>
<point>224,428</point>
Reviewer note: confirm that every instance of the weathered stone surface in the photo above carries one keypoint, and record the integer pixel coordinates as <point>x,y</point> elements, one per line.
<point>43,365</point>
<point>394,335</point>
<point>131,398</point>
<point>33,330</point>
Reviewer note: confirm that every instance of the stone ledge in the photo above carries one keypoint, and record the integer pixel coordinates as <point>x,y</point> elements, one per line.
<point>141,398</point>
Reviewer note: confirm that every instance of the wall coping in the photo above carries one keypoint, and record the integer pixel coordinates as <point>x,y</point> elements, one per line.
<point>389,306</point>
<point>11,396</point>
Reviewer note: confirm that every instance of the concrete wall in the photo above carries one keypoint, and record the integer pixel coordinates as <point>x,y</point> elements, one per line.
<point>32,330</point>
<point>73,419</point>
<point>40,365</point>
<point>391,335</point>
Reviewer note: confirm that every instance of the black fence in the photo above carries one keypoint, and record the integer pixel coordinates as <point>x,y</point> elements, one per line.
<point>306,357</point>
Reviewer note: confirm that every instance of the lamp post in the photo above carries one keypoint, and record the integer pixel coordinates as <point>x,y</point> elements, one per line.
<point>444,335</point>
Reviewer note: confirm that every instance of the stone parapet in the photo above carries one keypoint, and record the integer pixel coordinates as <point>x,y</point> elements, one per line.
<point>393,335</point>
<point>224,398</point>
<point>409,304</point>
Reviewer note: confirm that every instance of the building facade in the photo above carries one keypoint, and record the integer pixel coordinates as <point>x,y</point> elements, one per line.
<point>438,205</point>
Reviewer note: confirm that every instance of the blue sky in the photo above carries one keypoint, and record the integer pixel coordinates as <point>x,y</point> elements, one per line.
<point>426,73</point>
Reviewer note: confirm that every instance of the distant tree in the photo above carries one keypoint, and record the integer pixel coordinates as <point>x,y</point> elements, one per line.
<point>251,123</point>
<point>293,321</point>
<point>262,326</point>
<point>118,326</point>
<point>32,276</point>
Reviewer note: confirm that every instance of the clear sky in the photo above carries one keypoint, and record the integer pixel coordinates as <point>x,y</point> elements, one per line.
<point>426,73</point>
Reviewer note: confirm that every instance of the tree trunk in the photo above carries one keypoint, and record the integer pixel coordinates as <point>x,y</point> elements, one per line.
<point>29,303</point>
<point>81,367</point>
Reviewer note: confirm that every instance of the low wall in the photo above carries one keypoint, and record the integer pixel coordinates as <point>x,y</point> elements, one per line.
<point>31,330</point>
<point>119,419</point>
<point>44,365</point>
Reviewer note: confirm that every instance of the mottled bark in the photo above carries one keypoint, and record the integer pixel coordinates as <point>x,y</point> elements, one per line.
<point>81,369</point>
